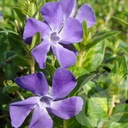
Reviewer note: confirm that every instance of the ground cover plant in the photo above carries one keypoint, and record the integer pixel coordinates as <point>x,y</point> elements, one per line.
<point>63,64</point>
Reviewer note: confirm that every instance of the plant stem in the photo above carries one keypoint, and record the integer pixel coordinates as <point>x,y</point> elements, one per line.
<point>3,116</point>
<point>32,66</point>
<point>81,54</point>
<point>112,105</point>
<point>111,109</point>
<point>64,124</point>
<point>21,97</point>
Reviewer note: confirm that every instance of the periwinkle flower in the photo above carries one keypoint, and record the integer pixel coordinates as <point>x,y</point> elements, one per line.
<point>1,18</point>
<point>53,102</point>
<point>55,32</point>
<point>85,12</point>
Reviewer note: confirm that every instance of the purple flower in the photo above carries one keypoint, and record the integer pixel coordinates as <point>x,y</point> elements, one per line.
<point>84,13</point>
<point>46,101</point>
<point>1,17</point>
<point>55,32</point>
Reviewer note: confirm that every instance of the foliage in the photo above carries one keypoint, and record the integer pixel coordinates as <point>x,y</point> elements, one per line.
<point>101,68</point>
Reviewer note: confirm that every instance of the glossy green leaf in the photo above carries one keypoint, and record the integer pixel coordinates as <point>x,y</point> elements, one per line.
<point>35,40</point>
<point>94,57</point>
<point>78,71</point>
<point>82,117</point>
<point>91,88</point>
<point>119,70</point>
<point>120,113</point>
<point>97,107</point>
<point>10,70</point>
<point>21,60</point>
<point>97,38</point>
<point>51,69</point>
<point>4,98</point>
<point>21,13</point>
<point>112,124</point>
<point>8,31</point>
<point>120,20</point>
<point>81,81</point>
<point>17,43</point>
<point>85,35</point>
<point>10,88</point>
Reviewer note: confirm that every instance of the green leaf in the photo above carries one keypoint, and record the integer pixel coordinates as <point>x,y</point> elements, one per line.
<point>124,47</point>
<point>81,81</point>
<point>10,88</point>
<point>8,31</point>
<point>112,124</point>
<point>50,69</point>
<point>91,88</point>
<point>116,81</point>
<point>78,71</point>
<point>82,117</point>
<point>17,43</point>
<point>35,40</point>
<point>120,20</point>
<point>20,60</point>
<point>10,70</point>
<point>97,107</point>
<point>73,123</point>
<point>85,34</point>
<point>120,113</point>
<point>4,98</point>
<point>21,13</point>
<point>32,8</point>
<point>97,38</point>
<point>94,57</point>
<point>120,66</point>
<point>119,70</point>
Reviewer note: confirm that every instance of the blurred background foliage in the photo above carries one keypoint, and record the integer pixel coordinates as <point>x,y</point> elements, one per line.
<point>16,60</point>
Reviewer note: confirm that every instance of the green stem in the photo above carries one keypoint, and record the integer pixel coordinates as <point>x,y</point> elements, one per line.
<point>112,105</point>
<point>21,97</point>
<point>3,116</point>
<point>53,60</point>
<point>81,54</point>
<point>110,110</point>
<point>64,124</point>
<point>32,66</point>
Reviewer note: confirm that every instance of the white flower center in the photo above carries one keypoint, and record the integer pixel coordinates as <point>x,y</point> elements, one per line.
<point>54,37</point>
<point>45,101</point>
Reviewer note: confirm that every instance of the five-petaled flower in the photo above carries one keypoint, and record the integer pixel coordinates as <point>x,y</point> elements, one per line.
<point>85,12</point>
<point>58,29</point>
<point>45,101</point>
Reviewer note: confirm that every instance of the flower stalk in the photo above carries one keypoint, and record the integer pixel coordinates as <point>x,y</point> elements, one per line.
<point>110,110</point>
<point>80,62</point>
<point>21,97</point>
<point>64,124</point>
<point>32,65</point>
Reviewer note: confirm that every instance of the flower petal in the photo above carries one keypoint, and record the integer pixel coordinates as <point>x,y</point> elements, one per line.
<point>65,57</point>
<point>32,27</point>
<point>69,8</point>
<point>41,119</point>
<point>71,48</point>
<point>20,110</point>
<point>72,31</point>
<point>40,53</point>
<point>63,83</point>
<point>35,83</point>
<point>66,108</point>
<point>86,13</point>
<point>52,14</point>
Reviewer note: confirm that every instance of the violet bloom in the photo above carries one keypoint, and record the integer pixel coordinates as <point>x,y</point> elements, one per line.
<point>85,12</point>
<point>1,17</point>
<point>53,102</point>
<point>54,32</point>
